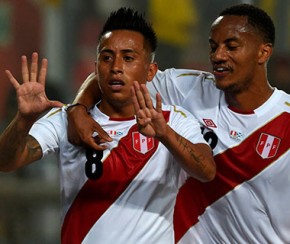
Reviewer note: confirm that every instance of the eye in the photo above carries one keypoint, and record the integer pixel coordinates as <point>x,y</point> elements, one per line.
<point>106,57</point>
<point>212,48</point>
<point>128,58</point>
<point>232,47</point>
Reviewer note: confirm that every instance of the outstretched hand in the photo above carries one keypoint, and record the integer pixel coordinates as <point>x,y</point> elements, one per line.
<point>31,96</point>
<point>150,120</point>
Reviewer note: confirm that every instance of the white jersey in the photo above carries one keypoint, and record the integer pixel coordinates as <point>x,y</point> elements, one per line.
<point>248,201</point>
<point>133,200</point>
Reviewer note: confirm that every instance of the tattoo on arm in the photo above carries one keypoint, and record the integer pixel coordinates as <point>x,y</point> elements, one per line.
<point>198,159</point>
<point>18,147</point>
<point>34,149</point>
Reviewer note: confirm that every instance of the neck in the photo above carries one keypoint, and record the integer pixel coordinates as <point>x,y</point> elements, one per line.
<point>249,100</point>
<point>121,112</point>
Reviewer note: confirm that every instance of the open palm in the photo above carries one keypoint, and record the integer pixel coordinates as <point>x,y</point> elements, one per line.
<point>31,97</point>
<point>150,120</point>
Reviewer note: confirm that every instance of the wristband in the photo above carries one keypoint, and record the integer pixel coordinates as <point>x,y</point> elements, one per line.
<point>74,105</point>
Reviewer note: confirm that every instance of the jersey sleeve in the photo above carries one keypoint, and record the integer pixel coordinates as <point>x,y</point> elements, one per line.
<point>186,125</point>
<point>174,85</point>
<point>48,131</point>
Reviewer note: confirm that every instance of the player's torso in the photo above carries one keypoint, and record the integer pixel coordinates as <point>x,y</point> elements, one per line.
<point>247,201</point>
<point>135,192</point>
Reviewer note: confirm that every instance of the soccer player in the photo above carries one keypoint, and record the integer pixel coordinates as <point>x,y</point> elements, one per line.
<point>126,192</point>
<point>246,122</point>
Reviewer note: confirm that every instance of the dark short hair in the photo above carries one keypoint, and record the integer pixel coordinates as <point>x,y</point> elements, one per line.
<point>129,19</point>
<point>257,18</point>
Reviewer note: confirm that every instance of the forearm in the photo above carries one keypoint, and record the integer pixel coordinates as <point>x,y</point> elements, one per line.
<point>196,159</point>
<point>89,92</point>
<point>17,147</point>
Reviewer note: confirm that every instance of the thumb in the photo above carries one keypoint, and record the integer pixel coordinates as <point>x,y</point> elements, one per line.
<point>56,104</point>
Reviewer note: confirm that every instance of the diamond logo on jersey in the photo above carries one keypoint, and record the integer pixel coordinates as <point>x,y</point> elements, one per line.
<point>142,143</point>
<point>267,146</point>
<point>209,123</point>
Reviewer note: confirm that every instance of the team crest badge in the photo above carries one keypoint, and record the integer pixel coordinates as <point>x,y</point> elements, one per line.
<point>267,146</point>
<point>142,143</point>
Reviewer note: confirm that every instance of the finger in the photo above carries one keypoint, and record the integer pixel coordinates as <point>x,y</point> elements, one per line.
<point>91,143</point>
<point>147,97</point>
<point>56,104</point>
<point>135,101</point>
<point>12,80</point>
<point>34,67</point>
<point>24,69</point>
<point>139,95</point>
<point>158,103</point>
<point>139,113</point>
<point>103,135</point>
<point>43,71</point>
<point>147,101</point>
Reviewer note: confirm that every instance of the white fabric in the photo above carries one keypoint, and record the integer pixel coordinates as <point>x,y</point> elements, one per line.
<point>256,210</point>
<point>143,212</point>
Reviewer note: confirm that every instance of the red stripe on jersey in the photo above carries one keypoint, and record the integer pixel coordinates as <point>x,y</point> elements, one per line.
<point>96,196</point>
<point>194,196</point>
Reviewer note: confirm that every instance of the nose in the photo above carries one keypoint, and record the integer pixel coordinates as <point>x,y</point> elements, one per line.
<point>117,65</point>
<point>218,55</point>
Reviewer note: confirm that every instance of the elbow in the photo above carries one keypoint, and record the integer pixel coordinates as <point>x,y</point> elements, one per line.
<point>210,176</point>
<point>209,173</point>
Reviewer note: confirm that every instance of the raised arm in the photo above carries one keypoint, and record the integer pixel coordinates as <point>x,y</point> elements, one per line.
<point>195,159</point>
<point>17,147</point>
<point>81,126</point>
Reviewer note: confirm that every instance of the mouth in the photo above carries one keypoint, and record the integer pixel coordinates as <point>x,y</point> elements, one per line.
<point>116,84</point>
<point>219,70</point>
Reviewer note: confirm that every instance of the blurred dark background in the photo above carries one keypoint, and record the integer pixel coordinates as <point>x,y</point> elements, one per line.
<point>65,32</point>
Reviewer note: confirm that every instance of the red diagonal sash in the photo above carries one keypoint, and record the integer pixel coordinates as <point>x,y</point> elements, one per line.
<point>195,196</point>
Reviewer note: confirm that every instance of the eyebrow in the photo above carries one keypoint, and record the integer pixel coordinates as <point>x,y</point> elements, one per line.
<point>231,39</point>
<point>123,51</point>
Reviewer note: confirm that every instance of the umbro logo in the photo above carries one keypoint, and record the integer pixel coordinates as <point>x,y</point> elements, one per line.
<point>209,123</point>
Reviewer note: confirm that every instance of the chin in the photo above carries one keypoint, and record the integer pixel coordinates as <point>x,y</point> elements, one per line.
<point>221,85</point>
<point>226,87</point>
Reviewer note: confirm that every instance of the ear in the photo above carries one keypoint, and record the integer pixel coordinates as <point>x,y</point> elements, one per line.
<point>153,67</point>
<point>266,50</point>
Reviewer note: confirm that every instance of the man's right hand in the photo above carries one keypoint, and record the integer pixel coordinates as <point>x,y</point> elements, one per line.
<point>82,129</point>
<point>31,97</point>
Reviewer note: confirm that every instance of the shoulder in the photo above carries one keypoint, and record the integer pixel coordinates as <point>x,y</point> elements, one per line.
<point>184,123</point>
<point>55,114</point>
<point>281,98</point>
<point>184,73</point>
<point>177,112</point>
<point>54,120</point>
